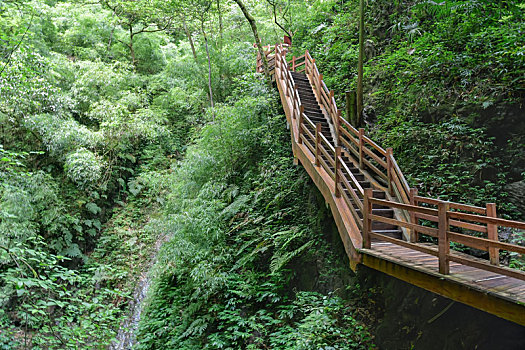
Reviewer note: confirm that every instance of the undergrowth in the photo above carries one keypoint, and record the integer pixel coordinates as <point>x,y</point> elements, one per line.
<point>240,236</point>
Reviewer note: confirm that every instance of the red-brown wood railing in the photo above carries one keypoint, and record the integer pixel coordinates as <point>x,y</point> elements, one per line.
<point>439,220</point>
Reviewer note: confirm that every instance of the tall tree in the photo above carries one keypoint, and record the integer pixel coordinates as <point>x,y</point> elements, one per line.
<point>190,39</point>
<point>360,62</point>
<point>253,25</point>
<point>138,17</point>
<point>200,10</point>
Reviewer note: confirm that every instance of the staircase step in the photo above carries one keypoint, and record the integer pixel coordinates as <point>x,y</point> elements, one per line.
<point>316,119</point>
<point>352,169</point>
<point>385,212</point>
<point>390,233</point>
<point>376,194</point>
<point>377,225</point>
<point>314,114</point>
<point>313,107</point>
<point>300,80</point>
<point>317,113</point>
<point>364,184</point>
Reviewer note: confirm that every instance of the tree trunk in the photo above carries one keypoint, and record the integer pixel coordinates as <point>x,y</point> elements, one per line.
<point>220,20</point>
<point>209,71</point>
<point>360,62</point>
<point>251,20</point>
<point>131,49</point>
<point>188,35</point>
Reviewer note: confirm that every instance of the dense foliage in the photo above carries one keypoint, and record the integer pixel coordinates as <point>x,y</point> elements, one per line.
<point>228,276</point>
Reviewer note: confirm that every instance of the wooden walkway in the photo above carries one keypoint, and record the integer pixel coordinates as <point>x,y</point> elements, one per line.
<point>383,223</point>
<point>506,287</point>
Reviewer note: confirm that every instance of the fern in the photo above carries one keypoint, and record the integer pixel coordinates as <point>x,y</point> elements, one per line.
<point>280,260</point>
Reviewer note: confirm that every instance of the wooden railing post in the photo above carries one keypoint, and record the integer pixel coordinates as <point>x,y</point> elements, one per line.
<point>319,84</point>
<point>306,62</point>
<point>492,231</point>
<point>337,192</point>
<point>281,69</point>
<point>443,240</point>
<point>414,236</point>
<point>337,128</point>
<point>367,223</point>
<point>294,99</point>
<point>300,125</point>
<point>312,69</point>
<point>317,143</point>
<point>286,83</point>
<point>293,64</point>
<point>361,145</point>
<point>331,107</point>
<point>389,153</point>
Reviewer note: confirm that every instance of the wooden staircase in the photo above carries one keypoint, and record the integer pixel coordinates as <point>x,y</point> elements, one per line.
<point>313,111</point>
<point>381,220</point>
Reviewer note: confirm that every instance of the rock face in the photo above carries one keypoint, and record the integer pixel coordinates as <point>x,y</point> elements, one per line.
<point>414,318</point>
<point>516,191</point>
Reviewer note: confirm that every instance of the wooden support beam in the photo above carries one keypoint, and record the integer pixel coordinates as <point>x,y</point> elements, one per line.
<point>447,287</point>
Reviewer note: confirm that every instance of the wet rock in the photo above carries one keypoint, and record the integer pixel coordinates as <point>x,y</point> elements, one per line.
<point>516,196</point>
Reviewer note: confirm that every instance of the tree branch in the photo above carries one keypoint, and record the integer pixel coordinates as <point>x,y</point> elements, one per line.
<point>274,5</point>
<point>18,45</point>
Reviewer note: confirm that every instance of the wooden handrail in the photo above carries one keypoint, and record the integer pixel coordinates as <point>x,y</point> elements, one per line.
<point>444,216</point>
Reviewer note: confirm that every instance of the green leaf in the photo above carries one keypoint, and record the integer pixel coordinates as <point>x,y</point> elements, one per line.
<point>93,208</point>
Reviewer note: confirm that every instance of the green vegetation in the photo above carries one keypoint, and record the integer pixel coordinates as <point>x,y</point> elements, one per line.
<point>226,279</point>
<point>128,123</point>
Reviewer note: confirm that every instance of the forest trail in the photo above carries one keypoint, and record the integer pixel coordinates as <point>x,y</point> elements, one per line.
<point>383,222</point>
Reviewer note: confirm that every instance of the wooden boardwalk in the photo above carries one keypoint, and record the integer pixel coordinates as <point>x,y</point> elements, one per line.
<point>505,287</point>
<point>383,223</point>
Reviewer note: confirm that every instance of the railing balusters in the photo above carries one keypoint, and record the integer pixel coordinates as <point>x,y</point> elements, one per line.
<point>337,126</point>
<point>294,116</point>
